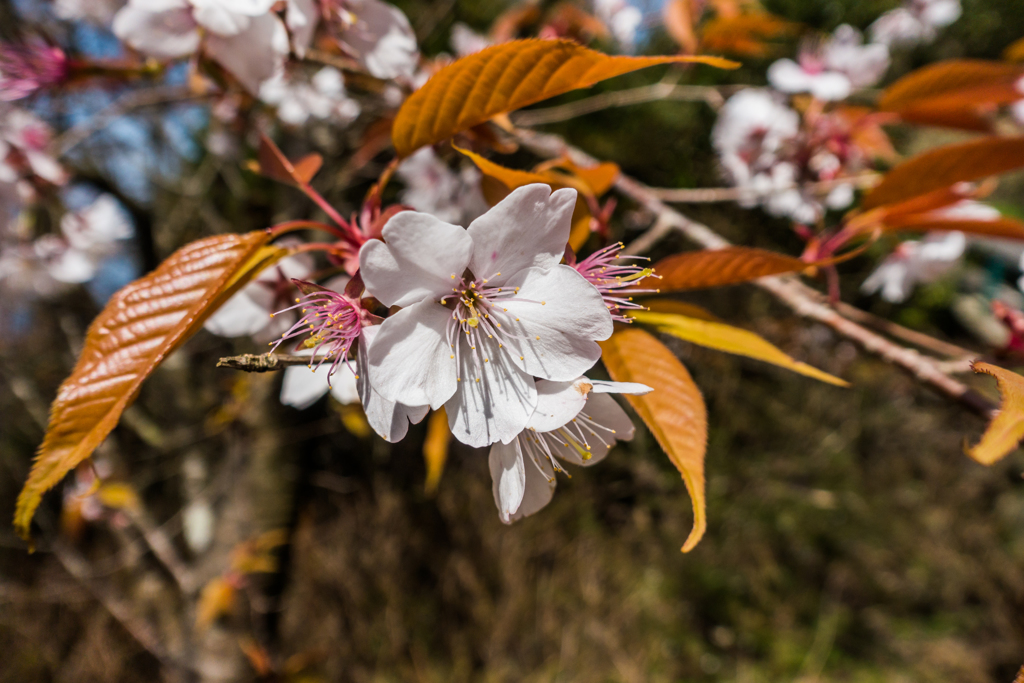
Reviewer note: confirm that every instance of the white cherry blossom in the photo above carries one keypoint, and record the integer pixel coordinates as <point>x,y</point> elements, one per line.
<point>575,422</point>
<point>834,69</point>
<point>622,19</point>
<point>322,97</point>
<point>432,187</point>
<point>485,310</point>
<point>245,36</point>
<point>915,262</point>
<point>917,21</point>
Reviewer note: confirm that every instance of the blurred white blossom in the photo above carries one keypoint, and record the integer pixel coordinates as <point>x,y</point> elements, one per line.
<point>915,262</point>
<point>322,97</point>
<point>622,19</point>
<point>432,187</point>
<point>917,21</point>
<point>832,70</point>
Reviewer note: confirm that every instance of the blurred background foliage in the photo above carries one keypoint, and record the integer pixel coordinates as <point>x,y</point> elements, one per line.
<point>849,538</point>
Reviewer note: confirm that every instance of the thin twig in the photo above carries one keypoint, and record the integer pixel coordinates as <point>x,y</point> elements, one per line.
<point>74,136</point>
<point>800,298</point>
<point>707,195</point>
<point>620,98</point>
<point>78,567</point>
<point>919,339</point>
<point>263,362</point>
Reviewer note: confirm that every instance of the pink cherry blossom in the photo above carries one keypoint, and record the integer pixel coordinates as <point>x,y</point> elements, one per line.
<point>30,67</point>
<point>833,69</point>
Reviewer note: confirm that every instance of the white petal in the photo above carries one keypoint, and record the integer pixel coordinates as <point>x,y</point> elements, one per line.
<point>301,16</point>
<point>410,358</point>
<point>344,388</point>
<point>603,387</point>
<point>239,316</point>
<point>302,387</point>
<point>423,258</point>
<point>382,39</point>
<point>508,478</point>
<point>494,399</point>
<point>165,34</point>
<point>558,332</point>
<point>218,19</point>
<point>256,54</point>
<point>530,227</point>
<point>72,266</point>
<point>831,86</point>
<point>389,419</point>
<point>539,491</point>
<point>787,76</point>
<point>558,403</point>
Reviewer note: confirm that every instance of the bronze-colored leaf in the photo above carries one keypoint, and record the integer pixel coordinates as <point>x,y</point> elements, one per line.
<point>679,23</point>
<point>1003,227</point>
<point>506,77</point>
<point>944,166</point>
<point>961,93</point>
<point>140,325</point>
<point>1007,428</point>
<point>720,267</point>
<point>275,165</point>
<point>674,411</point>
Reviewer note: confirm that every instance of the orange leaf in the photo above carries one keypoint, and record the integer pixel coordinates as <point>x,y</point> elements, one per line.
<point>599,179</point>
<point>944,166</point>
<point>1007,427</point>
<point>674,411</point>
<point>679,24</point>
<point>720,267</point>
<point>962,93</point>
<point>1015,53</point>
<point>217,598</point>
<point>1004,226</point>
<point>506,77</point>
<point>140,325</point>
<point>435,449</point>
<point>509,179</point>
<point>744,34</point>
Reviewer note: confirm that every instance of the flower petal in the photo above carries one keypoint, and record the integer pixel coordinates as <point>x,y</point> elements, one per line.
<point>539,491</point>
<point>382,39</point>
<point>530,227</point>
<point>560,315</point>
<point>239,316</point>
<point>494,399</point>
<point>422,258</point>
<point>256,54</point>
<point>301,16</point>
<point>166,31</point>
<point>409,359</point>
<point>600,386</point>
<point>302,387</point>
<point>508,478</point>
<point>344,386</point>
<point>558,403</point>
<point>389,419</point>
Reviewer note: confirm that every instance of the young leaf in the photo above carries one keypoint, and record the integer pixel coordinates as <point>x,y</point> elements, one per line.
<point>674,411</point>
<point>140,325</point>
<point>679,23</point>
<point>945,166</point>
<point>506,77</point>
<point>1007,428</point>
<point>276,166</point>
<point>722,337</point>
<point>720,267</point>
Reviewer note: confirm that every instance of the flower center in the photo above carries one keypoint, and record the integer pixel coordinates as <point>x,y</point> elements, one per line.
<point>576,435</point>
<point>333,322</point>
<point>480,315</point>
<point>616,279</point>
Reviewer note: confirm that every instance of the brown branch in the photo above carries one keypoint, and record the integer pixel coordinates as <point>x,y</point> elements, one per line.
<point>621,98</point>
<point>801,299</point>
<point>263,362</point>
<point>78,567</point>
<point>707,195</point>
<point>74,136</point>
